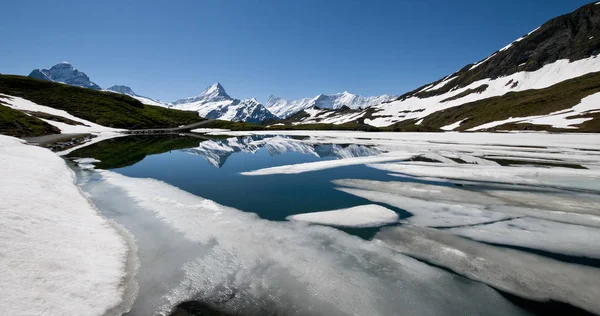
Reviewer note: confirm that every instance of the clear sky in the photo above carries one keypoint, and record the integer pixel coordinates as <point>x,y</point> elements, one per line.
<point>255,48</point>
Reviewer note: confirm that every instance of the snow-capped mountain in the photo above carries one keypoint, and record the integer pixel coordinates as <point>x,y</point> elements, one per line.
<point>547,79</point>
<point>128,91</point>
<point>285,108</point>
<point>65,73</point>
<point>215,103</point>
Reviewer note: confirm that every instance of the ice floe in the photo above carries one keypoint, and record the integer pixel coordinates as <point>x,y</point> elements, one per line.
<point>541,203</point>
<point>557,177</point>
<point>371,215</point>
<point>555,237</point>
<point>522,274</point>
<point>328,164</point>
<point>433,214</point>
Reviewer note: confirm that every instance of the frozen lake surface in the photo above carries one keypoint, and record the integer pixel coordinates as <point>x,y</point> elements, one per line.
<point>348,223</point>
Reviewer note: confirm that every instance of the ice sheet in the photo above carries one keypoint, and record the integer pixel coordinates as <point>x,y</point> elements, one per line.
<point>57,255</point>
<point>522,274</point>
<point>434,214</point>
<point>540,234</point>
<point>556,177</point>
<point>371,215</point>
<point>242,263</point>
<point>549,200</point>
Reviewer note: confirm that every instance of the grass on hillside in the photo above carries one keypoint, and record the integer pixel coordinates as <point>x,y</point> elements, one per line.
<point>126,151</point>
<point>561,96</point>
<point>104,108</point>
<point>18,124</point>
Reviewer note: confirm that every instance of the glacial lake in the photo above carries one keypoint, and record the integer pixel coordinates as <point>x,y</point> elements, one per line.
<point>212,169</point>
<point>214,230</point>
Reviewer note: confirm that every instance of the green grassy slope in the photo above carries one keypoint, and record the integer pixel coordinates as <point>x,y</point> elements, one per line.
<point>104,108</point>
<point>561,96</point>
<point>19,124</point>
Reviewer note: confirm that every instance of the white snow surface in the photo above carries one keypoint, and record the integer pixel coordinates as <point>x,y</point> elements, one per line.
<point>57,255</point>
<point>371,215</point>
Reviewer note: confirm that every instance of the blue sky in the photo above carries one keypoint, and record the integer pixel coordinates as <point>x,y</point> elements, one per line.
<point>255,48</point>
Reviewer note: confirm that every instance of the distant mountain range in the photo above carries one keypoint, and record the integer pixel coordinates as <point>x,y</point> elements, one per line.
<point>548,79</point>
<point>286,108</point>
<point>214,102</point>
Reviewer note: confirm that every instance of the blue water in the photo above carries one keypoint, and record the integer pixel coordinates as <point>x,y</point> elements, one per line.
<point>272,197</point>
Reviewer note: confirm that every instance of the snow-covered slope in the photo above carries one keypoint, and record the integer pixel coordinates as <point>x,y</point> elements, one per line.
<point>562,49</point>
<point>416,107</point>
<point>128,91</point>
<point>76,125</point>
<point>65,73</point>
<point>285,108</point>
<point>215,103</point>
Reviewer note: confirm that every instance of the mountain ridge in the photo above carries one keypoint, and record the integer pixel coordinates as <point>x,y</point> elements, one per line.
<point>215,103</point>
<point>65,73</point>
<point>286,108</point>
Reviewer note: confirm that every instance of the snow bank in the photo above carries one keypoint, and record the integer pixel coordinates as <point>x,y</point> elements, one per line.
<point>328,164</point>
<point>57,256</point>
<point>522,274</point>
<point>240,263</point>
<point>371,215</point>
